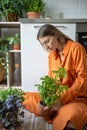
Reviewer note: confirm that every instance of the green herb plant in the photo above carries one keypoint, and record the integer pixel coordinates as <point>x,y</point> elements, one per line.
<point>11,108</point>
<point>11,112</point>
<point>14,39</point>
<point>50,88</point>
<point>34,5</point>
<point>4,93</point>
<point>12,6</point>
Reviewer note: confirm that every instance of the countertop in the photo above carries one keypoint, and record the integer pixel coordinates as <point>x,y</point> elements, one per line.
<point>26,20</point>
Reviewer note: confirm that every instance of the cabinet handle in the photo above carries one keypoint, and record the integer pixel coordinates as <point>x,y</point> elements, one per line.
<point>38,27</point>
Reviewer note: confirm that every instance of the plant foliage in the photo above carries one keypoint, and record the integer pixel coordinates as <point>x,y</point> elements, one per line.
<point>14,40</point>
<point>50,88</point>
<point>11,112</point>
<point>4,51</point>
<point>34,5</point>
<point>4,93</point>
<point>12,6</point>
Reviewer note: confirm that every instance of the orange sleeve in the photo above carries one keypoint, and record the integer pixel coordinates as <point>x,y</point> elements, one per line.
<point>79,87</point>
<point>31,102</point>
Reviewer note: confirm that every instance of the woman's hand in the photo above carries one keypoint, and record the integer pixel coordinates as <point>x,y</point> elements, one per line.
<point>49,112</point>
<point>43,110</point>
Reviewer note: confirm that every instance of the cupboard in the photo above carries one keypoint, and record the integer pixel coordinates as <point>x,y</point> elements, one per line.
<point>12,58</point>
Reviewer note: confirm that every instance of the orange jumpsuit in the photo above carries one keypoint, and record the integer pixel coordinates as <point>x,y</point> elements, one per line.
<point>74,100</point>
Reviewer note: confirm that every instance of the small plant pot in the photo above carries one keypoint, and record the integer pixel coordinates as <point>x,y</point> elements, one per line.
<point>16,46</point>
<point>33,15</point>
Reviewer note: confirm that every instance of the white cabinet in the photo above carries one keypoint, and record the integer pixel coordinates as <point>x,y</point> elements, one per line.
<point>34,58</point>
<point>13,57</point>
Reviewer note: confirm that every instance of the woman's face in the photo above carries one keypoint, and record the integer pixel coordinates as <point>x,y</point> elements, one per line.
<point>49,43</point>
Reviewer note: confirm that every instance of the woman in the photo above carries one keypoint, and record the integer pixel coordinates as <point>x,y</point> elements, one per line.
<point>71,56</point>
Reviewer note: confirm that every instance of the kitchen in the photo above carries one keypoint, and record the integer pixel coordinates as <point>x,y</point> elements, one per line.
<point>71,13</point>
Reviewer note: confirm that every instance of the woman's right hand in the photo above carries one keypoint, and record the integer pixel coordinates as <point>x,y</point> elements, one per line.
<point>48,112</point>
<point>43,110</point>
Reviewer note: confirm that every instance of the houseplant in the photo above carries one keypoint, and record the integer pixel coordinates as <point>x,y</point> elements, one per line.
<point>50,88</point>
<point>14,41</point>
<point>4,93</point>
<point>4,50</point>
<point>9,8</point>
<point>32,6</point>
<point>11,108</point>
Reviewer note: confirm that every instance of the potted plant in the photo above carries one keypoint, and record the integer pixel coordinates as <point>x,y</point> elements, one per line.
<point>15,41</point>
<point>4,48</point>
<point>11,108</point>
<point>4,45</point>
<point>34,7</point>
<point>4,93</point>
<point>50,88</point>
<point>11,9</point>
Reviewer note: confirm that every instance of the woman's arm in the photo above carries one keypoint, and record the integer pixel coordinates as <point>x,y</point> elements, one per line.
<point>79,86</point>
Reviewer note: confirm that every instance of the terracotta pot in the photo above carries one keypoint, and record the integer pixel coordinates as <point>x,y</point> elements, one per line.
<point>16,46</point>
<point>33,15</point>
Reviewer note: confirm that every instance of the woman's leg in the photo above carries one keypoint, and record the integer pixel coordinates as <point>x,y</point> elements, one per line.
<point>31,102</point>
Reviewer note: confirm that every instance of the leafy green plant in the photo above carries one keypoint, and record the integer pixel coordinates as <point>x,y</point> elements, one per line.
<point>4,45</point>
<point>4,52</point>
<point>4,93</point>
<point>50,88</point>
<point>12,6</point>
<point>34,5</point>
<point>14,39</point>
<point>11,112</point>
<point>11,107</point>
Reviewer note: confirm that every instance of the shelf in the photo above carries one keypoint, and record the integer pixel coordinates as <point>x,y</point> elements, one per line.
<point>9,24</point>
<point>14,50</point>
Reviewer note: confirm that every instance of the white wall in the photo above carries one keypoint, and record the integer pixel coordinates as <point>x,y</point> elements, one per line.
<point>69,8</point>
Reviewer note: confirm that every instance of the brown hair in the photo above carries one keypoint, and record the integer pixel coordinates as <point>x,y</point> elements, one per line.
<point>50,30</point>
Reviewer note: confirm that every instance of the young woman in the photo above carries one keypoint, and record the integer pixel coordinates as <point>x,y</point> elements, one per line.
<point>72,56</point>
